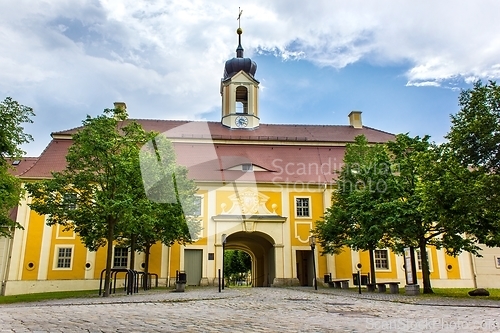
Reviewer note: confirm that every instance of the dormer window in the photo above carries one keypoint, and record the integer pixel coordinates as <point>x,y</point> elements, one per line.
<point>247,167</point>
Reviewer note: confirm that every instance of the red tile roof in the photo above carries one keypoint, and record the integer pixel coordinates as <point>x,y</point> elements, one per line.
<point>265,132</point>
<point>24,164</point>
<point>289,153</point>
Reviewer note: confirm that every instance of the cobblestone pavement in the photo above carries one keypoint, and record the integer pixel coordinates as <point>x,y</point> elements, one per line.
<point>252,310</point>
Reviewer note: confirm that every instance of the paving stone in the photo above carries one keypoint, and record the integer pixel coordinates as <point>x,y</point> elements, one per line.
<point>252,310</point>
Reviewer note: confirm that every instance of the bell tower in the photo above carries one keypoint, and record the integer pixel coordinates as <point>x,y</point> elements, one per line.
<point>240,90</point>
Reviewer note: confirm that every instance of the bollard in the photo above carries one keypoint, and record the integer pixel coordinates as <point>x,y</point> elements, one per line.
<point>219,281</point>
<point>359,282</point>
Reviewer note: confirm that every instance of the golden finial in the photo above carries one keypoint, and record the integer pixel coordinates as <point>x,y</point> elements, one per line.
<point>239,31</point>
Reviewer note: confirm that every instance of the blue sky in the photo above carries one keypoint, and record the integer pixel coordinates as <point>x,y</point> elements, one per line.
<point>402,64</point>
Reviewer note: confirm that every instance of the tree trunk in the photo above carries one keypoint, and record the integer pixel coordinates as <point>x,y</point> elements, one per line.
<point>146,266</point>
<point>373,278</point>
<point>132,251</point>
<point>109,256</point>
<point>426,274</point>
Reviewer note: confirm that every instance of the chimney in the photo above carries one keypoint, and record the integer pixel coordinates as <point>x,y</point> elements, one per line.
<point>120,105</point>
<point>355,119</point>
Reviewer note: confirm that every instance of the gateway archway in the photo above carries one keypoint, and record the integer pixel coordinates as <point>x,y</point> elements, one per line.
<point>260,246</point>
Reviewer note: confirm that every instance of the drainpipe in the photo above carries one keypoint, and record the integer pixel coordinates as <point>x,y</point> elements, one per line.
<point>5,276</point>
<point>473,268</point>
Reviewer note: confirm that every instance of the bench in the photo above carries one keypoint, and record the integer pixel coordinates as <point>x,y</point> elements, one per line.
<point>342,284</point>
<point>381,287</point>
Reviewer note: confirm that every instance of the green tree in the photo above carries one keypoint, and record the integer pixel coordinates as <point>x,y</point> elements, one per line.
<point>94,194</point>
<point>12,115</point>
<point>354,219</point>
<point>236,264</point>
<point>429,203</point>
<point>475,130</point>
<point>165,207</point>
<point>475,140</point>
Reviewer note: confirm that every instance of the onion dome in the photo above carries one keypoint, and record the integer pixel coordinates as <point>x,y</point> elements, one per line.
<point>239,63</point>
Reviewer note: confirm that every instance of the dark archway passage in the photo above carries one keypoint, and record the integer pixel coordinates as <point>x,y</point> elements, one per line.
<point>260,246</point>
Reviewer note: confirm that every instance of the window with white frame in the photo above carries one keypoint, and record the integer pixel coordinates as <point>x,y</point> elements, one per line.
<point>497,261</point>
<point>69,201</point>
<point>64,255</point>
<point>419,259</point>
<point>381,259</point>
<point>302,207</point>
<point>120,259</point>
<point>198,203</point>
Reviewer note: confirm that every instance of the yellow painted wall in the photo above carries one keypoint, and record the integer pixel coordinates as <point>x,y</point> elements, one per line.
<point>322,266</point>
<point>343,264</point>
<point>100,261</point>
<point>300,227</point>
<point>33,246</point>
<point>175,259</point>
<point>454,272</point>
<point>222,198</point>
<point>155,258</point>
<point>79,256</point>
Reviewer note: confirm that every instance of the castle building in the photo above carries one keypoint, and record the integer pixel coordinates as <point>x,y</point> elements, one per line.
<point>261,189</point>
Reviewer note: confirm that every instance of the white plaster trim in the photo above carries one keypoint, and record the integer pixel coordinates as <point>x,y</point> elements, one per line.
<point>20,236</point>
<point>297,236</point>
<point>60,228</point>
<point>355,260</point>
<point>90,258</point>
<point>464,265</point>
<point>43,264</point>
<point>288,266</point>
<point>164,261</point>
<point>441,257</point>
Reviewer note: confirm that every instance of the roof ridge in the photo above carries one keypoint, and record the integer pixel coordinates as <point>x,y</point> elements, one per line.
<point>378,130</point>
<point>261,124</point>
<point>67,130</point>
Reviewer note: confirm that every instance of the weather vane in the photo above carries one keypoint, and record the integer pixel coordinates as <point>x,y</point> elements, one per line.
<point>239,17</point>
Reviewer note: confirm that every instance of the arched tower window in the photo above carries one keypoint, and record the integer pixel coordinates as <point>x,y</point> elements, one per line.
<point>241,100</point>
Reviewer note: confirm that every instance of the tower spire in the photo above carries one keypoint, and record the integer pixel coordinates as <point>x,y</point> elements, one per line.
<point>239,31</point>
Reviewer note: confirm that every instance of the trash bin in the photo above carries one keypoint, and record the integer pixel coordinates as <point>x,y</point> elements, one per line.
<point>182,277</point>
<point>326,278</point>
<point>180,284</point>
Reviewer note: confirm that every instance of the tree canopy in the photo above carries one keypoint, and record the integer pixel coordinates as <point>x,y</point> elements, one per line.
<point>405,193</point>
<point>12,135</point>
<point>474,139</point>
<point>100,194</point>
<point>428,201</point>
<point>354,219</point>
<point>166,208</point>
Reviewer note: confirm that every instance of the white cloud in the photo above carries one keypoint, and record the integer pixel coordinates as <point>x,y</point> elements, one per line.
<point>164,57</point>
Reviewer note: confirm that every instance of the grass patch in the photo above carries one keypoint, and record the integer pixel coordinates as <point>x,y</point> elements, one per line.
<point>48,296</point>
<point>444,292</point>
<point>462,293</point>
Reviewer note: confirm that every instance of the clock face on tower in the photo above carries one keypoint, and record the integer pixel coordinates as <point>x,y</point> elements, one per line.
<point>241,121</point>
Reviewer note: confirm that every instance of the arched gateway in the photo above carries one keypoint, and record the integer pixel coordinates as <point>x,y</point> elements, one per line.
<point>260,247</point>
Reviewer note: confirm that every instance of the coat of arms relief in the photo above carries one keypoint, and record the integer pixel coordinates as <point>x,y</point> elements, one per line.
<point>249,202</point>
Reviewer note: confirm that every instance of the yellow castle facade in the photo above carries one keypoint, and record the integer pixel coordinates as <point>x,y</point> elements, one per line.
<point>261,188</point>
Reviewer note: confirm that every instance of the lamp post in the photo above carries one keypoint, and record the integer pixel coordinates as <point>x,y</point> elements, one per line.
<point>223,241</point>
<point>312,242</point>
